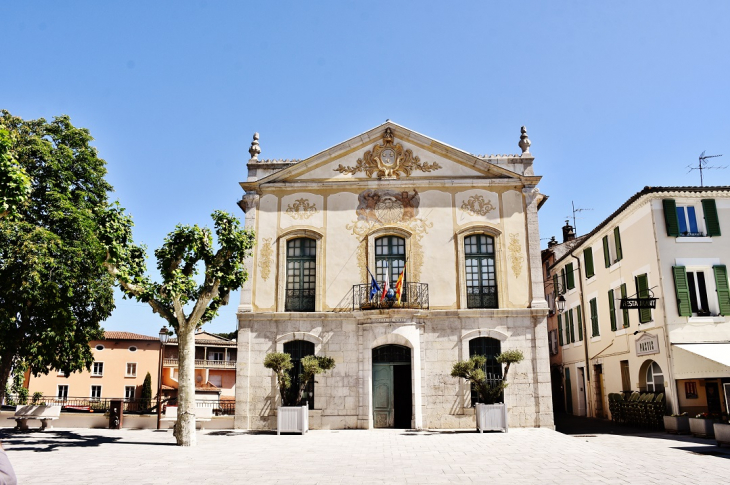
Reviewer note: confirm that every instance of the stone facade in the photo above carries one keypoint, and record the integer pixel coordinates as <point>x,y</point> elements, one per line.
<point>391,182</point>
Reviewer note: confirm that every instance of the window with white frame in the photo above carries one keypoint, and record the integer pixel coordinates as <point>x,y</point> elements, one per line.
<point>97,369</point>
<point>654,378</point>
<point>62,392</point>
<point>689,222</point>
<point>612,249</point>
<point>696,289</point>
<point>95,393</point>
<point>131,369</point>
<point>129,392</point>
<point>215,355</point>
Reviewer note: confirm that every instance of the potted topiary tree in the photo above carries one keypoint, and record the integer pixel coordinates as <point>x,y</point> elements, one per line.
<point>490,415</point>
<point>292,416</point>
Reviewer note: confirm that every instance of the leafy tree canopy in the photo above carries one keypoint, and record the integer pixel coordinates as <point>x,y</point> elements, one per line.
<point>54,289</point>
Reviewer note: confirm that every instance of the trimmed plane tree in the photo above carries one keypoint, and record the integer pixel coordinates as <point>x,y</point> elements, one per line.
<point>196,281</point>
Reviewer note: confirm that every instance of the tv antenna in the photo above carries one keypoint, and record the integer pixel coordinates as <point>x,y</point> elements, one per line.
<point>574,212</point>
<point>702,165</point>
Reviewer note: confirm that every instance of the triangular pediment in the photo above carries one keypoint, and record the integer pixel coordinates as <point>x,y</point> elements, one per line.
<point>392,152</point>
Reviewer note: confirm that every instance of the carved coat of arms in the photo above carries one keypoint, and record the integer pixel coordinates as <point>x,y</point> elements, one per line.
<point>388,161</point>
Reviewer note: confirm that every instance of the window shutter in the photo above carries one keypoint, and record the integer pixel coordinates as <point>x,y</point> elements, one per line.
<point>570,276</point>
<point>625,310</point>
<point>555,285</point>
<point>606,252</point>
<point>588,262</point>
<point>723,289</point>
<point>642,291</point>
<point>594,318</point>
<point>560,330</point>
<point>579,312</point>
<point>681,288</point>
<point>617,237</point>
<point>612,309</point>
<point>562,280</point>
<point>670,217</point>
<point>572,329</point>
<point>711,220</point>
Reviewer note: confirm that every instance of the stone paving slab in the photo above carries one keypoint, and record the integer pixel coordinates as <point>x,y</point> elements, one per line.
<point>94,456</point>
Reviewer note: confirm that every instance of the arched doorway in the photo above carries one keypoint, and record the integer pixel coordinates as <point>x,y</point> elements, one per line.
<point>392,394</point>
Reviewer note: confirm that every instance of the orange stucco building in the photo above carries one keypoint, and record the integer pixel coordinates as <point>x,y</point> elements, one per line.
<point>121,362</point>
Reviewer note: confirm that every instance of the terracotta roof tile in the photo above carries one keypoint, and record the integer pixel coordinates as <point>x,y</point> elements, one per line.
<point>127,336</point>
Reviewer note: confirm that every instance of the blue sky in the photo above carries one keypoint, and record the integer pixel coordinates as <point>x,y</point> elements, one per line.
<point>615,95</point>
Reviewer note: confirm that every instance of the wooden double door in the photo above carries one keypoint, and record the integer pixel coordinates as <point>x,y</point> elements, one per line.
<point>392,390</point>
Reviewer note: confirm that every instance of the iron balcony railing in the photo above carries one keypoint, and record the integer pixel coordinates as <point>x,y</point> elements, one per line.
<point>299,300</point>
<point>205,363</point>
<point>415,295</point>
<point>481,297</point>
<point>131,405</point>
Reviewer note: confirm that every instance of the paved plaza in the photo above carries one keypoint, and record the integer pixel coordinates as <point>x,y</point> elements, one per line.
<point>94,456</point>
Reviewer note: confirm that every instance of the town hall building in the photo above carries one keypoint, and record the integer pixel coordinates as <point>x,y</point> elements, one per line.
<point>336,231</point>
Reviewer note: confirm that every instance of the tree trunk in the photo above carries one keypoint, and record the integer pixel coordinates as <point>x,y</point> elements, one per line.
<point>6,365</point>
<point>185,425</point>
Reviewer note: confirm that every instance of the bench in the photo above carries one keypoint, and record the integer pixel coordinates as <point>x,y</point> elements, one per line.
<point>43,413</point>
<point>202,415</point>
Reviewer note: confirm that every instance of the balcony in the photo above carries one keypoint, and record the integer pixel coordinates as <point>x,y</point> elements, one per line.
<point>204,363</point>
<point>415,295</point>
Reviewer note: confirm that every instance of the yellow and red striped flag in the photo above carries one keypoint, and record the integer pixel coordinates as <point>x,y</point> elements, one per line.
<point>399,283</point>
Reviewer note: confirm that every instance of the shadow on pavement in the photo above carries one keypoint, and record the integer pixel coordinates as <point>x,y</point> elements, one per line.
<point>49,440</point>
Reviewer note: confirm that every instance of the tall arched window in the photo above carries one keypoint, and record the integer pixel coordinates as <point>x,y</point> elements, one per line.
<point>301,274</point>
<point>654,378</point>
<point>481,277</point>
<point>390,258</point>
<point>489,348</point>
<point>298,349</point>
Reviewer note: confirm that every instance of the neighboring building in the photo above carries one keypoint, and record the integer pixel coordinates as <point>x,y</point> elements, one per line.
<point>463,231</point>
<point>554,252</point>
<point>215,368</point>
<point>121,362</point>
<point>666,243</point>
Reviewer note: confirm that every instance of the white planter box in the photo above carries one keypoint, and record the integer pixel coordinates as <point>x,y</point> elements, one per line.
<point>676,424</point>
<point>491,417</point>
<point>722,434</point>
<point>702,427</point>
<point>294,419</point>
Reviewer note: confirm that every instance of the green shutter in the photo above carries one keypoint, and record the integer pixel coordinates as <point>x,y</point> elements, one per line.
<point>670,217</point>
<point>555,286</point>
<point>612,309</point>
<point>642,291</point>
<point>723,290</point>
<point>594,318</point>
<point>572,327</point>
<point>617,237</point>
<point>681,287</point>
<point>588,262</point>
<point>606,252</point>
<point>579,312</point>
<point>562,280</point>
<point>625,310</point>
<point>570,277</point>
<point>560,330</point>
<point>711,220</point>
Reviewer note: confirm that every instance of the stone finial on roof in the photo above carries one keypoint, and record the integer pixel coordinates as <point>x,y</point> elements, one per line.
<point>255,149</point>
<point>524,141</point>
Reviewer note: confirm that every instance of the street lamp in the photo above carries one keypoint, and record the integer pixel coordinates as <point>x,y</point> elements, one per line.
<point>164,336</point>
<point>561,303</point>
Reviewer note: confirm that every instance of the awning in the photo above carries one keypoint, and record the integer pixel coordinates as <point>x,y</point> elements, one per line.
<point>701,361</point>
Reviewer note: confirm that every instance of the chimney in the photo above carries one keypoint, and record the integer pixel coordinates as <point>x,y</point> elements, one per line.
<point>552,242</point>
<point>568,232</point>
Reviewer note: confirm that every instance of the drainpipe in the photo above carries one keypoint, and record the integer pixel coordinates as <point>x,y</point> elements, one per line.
<point>589,396</point>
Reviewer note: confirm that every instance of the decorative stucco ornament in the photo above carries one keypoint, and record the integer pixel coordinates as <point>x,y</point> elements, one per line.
<point>266,257</point>
<point>515,254</point>
<point>388,161</point>
<point>477,206</point>
<point>524,141</point>
<point>255,150</point>
<point>301,209</point>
